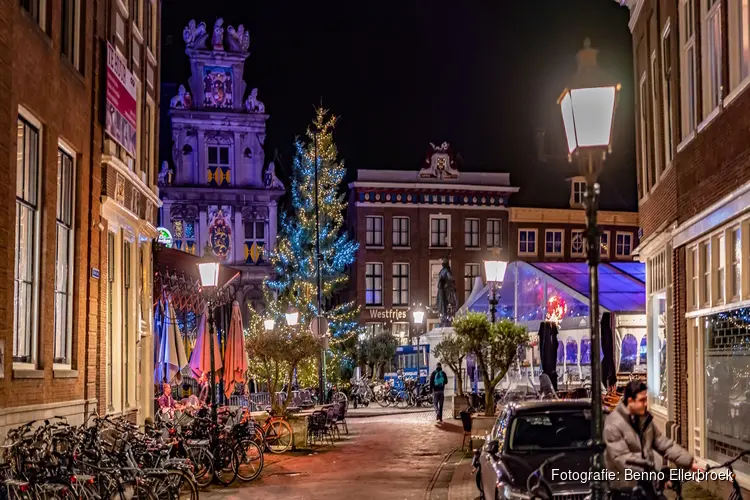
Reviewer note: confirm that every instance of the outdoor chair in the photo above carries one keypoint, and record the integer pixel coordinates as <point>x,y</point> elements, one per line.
<point>341,420</point>
<point>467,422</point>
<point>331,422</point>
<point>318,428</point>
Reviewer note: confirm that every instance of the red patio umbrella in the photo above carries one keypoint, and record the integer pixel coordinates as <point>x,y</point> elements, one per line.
<point>235,358</point>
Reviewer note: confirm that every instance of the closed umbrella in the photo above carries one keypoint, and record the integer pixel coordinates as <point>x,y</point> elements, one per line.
<point>609,374</point>
<point>548,350</point>
<point>200,359</point>
<point>235,360</point>
<point>172,357</point>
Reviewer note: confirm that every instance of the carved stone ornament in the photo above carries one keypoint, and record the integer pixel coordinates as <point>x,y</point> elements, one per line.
<point>195,36</point>
<point>177,212</point>
<point>149,212</point>
<point>120,189</point>
<point>254,212</point>
<point>440,163</point>
<point>253,105</point>
<point>182,100</point>
<point>217,40</point>
<point>216,137</point>
<point>239,39</point>
<point>165,175</point>
<point>135,202</point>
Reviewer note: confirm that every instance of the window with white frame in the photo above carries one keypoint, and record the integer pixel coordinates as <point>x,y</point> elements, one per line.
<point>471,271</point>
<point>577,243</point>
<point>126,323</point>
<point>579,192</point>
<point>656,165</point>
<point>71,34</point>
<point>705,268</point>
<point>401,232</point>
<point>721,266</point>
<point>527,242</point>
<point>440,231</point>
<point>624,244</point>
<point>373,284</point>
<point>711,11</point>
<point>64,254</point>
<point>739,41</point>
<point>400,284</point>
<point>37,9</point>
<point>694,267</point>
<point>658,283</point>
<point>494,233</point>
<point>646,180</point>
<point>28,152</point>
<point>603,244</point>
<point>735,251</point>
<point>471,233</point>
<point>111,274</point>
<point>688,77</point>
<point>255,242</point>
<point>374,231</point>
<point>219,165</point>
<point>666,89</point>
<point>553,242</point>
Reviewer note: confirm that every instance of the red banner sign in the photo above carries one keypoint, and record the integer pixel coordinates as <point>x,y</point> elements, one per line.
<point>121,123</point>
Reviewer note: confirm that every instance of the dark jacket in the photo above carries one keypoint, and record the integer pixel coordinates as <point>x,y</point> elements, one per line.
<point>631,445</point>
<point>433,387</point>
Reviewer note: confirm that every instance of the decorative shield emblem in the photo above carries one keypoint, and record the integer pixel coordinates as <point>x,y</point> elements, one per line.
<point>220,234</point>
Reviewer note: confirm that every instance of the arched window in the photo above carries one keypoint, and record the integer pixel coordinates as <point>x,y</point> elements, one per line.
<point>628,353</point>
<point>585,351</point>
<point>644,351</point>
<point>571,351</point>
<point>560,352</point>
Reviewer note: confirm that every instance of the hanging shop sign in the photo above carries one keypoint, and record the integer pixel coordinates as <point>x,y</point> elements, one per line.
<point>393,314</point>
<point>165,237</point>
<point>121,102</point>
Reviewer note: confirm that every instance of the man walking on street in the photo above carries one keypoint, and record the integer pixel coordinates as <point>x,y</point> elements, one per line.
<point>438,379</point>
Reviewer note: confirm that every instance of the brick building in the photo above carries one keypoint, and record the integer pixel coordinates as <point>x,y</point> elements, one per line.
<point>72,186</point>
<point>692,67</point>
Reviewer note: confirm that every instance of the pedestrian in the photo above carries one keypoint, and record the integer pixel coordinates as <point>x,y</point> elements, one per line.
<point>438,379</point>
<point>631,439</point>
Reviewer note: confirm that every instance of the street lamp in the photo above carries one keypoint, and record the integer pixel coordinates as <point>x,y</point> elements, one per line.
<point>418,318</point>
<point>495,271</point>
<point>292,317</point>
<point>208,269</point>
<point>269,324</point>
<point>588,110</point>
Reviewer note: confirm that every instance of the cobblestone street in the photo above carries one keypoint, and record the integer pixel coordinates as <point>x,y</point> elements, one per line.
<point>384,457</point>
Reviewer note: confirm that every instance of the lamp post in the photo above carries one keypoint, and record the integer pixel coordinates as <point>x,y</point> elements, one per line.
<point>495,271</point>
<point>319,262</point>
<point>208,268</point>
<point>418,317</point>
<point>588,109</point>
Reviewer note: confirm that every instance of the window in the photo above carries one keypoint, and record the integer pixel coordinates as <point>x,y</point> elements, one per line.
<point>70,42</point>
<point>439,229</point>
<point>656,167</point>
<point>37,9</point>
<point>373,284</point>
<point>494,234</point>
<point>579,192</point>
<point>119,28</point>
<point>666,105</point>
<point>400,284</point>
<point>705,272</point>
<point>646,179</point>
<point>137,8</point>
<point>218,166</point>
<point>739,29</point>
<point>471,233</point>
<point>64,258</point>
<point>126,320</point>
<point>27,252</point>
<point>373,329</point>
<point>694,265</point>
<point>688,76</point>
<point>183,233</point>
<point>149,27</point>
<point>603,244</point>
<point>577,243</point>
<point>721,266</point>
<point>624,245</point>
<point>736,253</point>
<point>110,321</point>
<point>471,271</point>
<point>658,364</point>
<point>147,124</point>
<point>400,231</point>
<point>553,242</point>
<point>255,242</point>
<point>527,242</point>
<point>374,228</point>
<point>401,332</point>
<point>711,54</point>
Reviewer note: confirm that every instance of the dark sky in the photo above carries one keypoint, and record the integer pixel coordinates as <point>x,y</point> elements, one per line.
<point>480,74</point>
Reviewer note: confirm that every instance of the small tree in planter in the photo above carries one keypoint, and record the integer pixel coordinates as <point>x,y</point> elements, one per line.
<point>452,351</point>
<point>374,351</point>
<point>495,347</point>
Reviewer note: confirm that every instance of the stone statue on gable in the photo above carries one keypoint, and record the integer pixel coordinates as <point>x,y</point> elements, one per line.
<point>217,41</point>
<point>165,175</point>
<point>182,99</point>
<point>195,36</point>
<point>270,181</point>
<point>239,39</point>
<point>253,105</point>
<point>447,300</point>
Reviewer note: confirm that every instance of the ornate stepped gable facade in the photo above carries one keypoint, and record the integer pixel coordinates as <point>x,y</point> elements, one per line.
<point>216,191</point>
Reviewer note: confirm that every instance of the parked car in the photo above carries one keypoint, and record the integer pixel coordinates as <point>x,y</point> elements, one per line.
<point>527,433</point>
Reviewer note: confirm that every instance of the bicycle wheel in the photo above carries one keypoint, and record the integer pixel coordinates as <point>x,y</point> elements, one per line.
<point>279,436</point>
<point>249,459</point>
<point>380,399</point>
<point>402,401</point>
<point>173,485</point>
<point>225,464</point>
<point>131,490</point>
<point>203,463</point>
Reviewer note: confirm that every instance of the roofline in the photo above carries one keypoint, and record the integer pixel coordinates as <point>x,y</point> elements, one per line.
<point>571,216</point>
<point>427,185</point>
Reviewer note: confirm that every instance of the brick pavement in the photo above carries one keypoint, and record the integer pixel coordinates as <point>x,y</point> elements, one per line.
<point>392,457</point>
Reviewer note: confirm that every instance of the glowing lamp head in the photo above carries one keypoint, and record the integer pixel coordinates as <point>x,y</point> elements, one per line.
<point>269,324</point>
<point>588,105</point>
<point>495,270</point>
<point>292,317</point>
<point>418,316</point>
<point>208,268</point>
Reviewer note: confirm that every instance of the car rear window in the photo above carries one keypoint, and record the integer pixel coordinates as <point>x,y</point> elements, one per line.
<point>550,430</point>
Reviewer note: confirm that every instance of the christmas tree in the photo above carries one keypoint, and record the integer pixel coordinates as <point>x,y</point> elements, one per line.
<point>294,260</point>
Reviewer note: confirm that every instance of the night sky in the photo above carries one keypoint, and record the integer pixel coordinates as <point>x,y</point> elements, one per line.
<point>480,74</point>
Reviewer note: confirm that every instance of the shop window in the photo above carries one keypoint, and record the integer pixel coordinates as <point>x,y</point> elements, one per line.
<point>736,271</point>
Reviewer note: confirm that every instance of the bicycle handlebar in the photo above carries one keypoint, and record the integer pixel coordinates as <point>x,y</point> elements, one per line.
<point>729,462</point>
